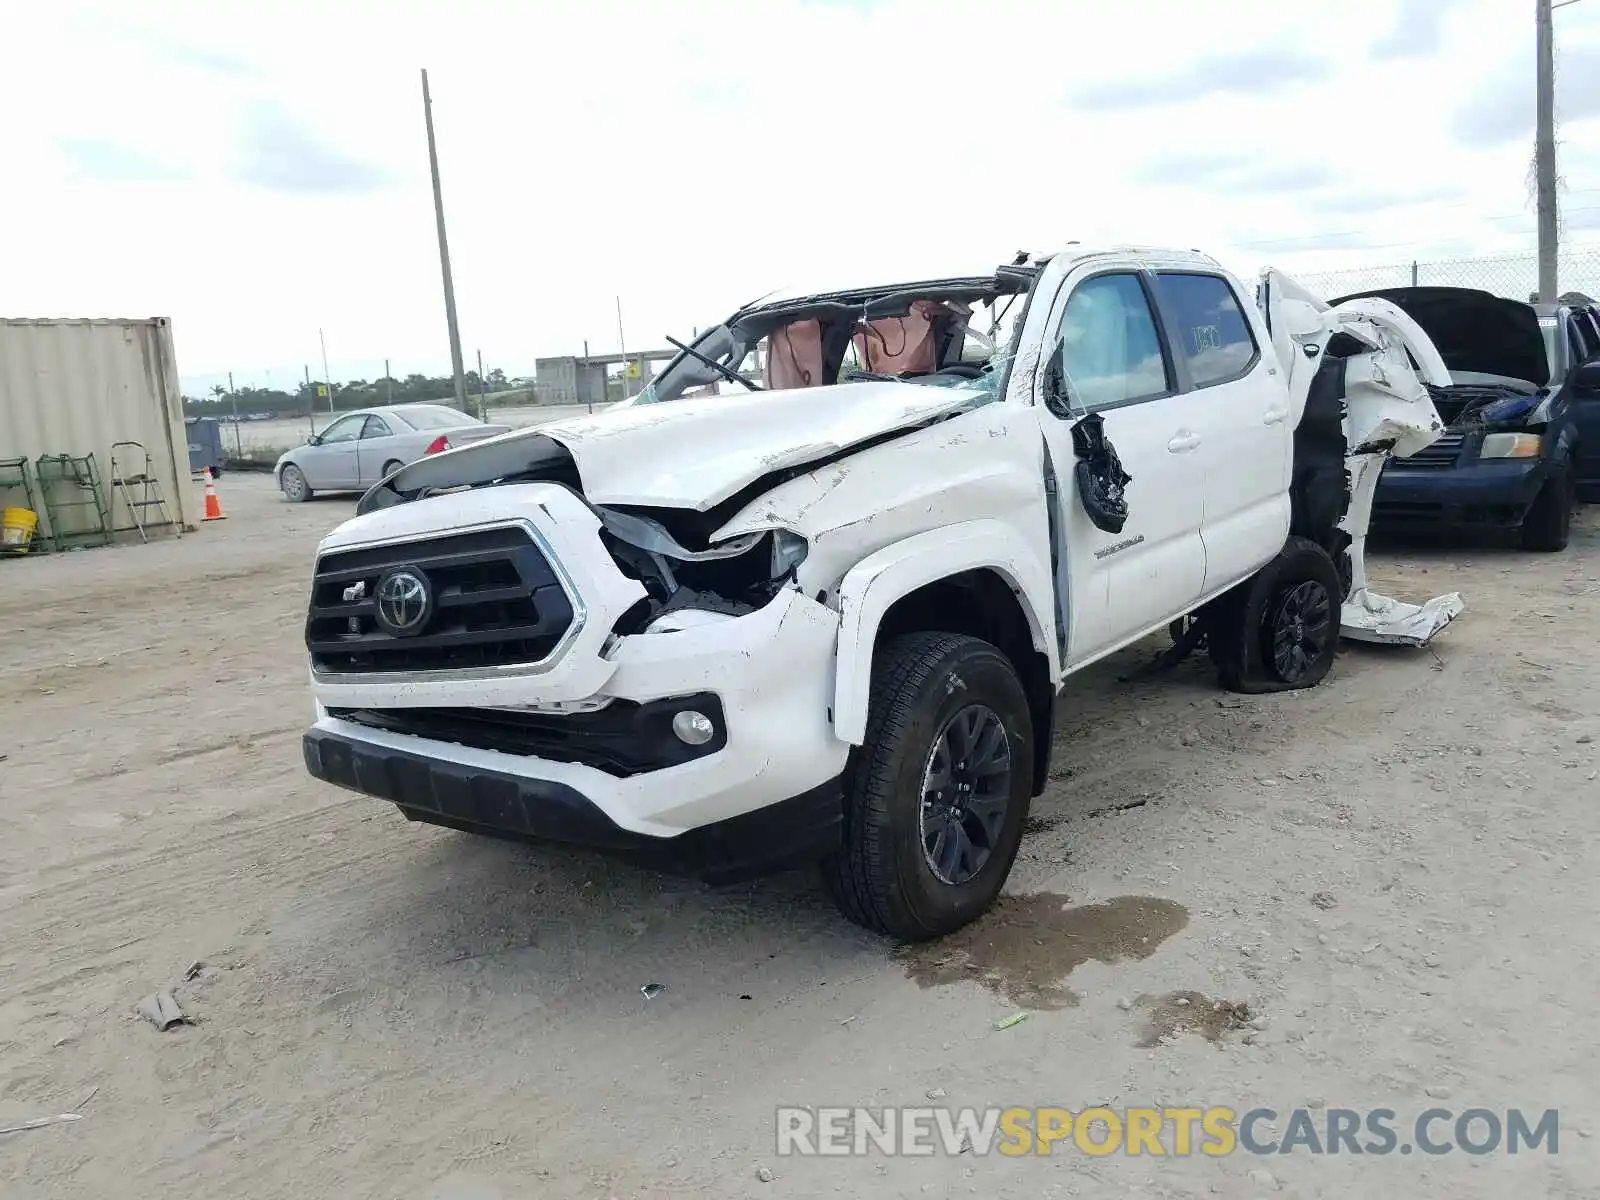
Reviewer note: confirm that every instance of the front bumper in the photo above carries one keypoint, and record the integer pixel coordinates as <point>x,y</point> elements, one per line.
<point>1477,495</point>
<point>770,670</point>
<point>792,832</point>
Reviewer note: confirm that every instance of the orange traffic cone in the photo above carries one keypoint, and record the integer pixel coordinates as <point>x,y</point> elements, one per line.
<point>213,505</point>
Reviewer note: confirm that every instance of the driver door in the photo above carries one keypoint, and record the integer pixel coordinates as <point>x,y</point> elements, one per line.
<point>331,464</point>
<point>1116,364</point>
<point>1584,389</point>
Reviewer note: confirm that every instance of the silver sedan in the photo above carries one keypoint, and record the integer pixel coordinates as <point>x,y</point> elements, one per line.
<point>365,447</point>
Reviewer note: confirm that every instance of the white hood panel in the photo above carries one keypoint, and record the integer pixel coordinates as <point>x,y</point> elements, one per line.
<point>695,454</point>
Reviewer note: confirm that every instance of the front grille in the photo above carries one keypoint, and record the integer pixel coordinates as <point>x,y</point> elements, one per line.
<point>622,739</point>
<point>1405,510</point>
<point>1440,456</point>
<point>495,601</point>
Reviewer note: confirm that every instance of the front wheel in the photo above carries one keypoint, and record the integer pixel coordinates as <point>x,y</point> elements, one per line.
<point>936,796</point>
<point>293,483</point>
<point>1278,631</point>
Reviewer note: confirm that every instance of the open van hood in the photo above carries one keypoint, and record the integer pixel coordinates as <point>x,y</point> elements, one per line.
<point>694,454</point>
<point>1474,331</point>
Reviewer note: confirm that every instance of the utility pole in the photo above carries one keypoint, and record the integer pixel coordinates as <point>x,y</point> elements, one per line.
<point>444,253</point>
<point>326,377</point>
<point>311,402</point>
<point>483,399</point>
<point>237,447</point>
<point>622,343</point>
<point>1544,152</point>
<point>388,383</point>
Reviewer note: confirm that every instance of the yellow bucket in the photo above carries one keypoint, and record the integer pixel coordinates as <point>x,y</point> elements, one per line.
<point>17,527</point>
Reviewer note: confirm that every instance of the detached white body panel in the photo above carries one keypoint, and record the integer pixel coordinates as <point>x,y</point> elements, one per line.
<point>1388,413</point>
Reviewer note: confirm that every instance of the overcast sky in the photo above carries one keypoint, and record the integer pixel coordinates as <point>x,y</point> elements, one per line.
<point>259,172</point>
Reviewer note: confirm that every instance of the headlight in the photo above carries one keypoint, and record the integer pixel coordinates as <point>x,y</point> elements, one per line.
<point>1510,445</point>
<point>788,552</point>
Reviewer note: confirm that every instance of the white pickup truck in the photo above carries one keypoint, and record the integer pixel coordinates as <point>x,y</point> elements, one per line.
<point>811,596</point>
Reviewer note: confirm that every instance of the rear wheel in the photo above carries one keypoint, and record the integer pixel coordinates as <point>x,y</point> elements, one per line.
<point>1279,630</point>
<point>936,796</point>
<point>1548,524</point>
<point>390,467</point>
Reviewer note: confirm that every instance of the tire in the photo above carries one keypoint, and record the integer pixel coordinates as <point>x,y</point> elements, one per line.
<point>1278,631</point>
<point>293,482</point>
<point>930,692</point>
<point>390,467</point>
<point>1548,524</point>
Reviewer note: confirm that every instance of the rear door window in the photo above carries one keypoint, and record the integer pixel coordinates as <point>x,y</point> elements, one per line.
<point>1213,335</point>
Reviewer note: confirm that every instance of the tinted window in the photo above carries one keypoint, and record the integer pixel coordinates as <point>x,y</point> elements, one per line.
<point>1574,343</point>
<point>1109,346</point>
<point>1213,335</point>
<point>346,429</point>
<point>1583,335</point>
<point>375,428</point>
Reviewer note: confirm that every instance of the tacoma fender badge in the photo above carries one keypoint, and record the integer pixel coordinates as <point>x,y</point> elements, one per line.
<point>1118,547</point>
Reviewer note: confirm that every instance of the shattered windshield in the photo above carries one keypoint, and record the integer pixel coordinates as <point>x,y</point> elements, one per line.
<point>958,334</point>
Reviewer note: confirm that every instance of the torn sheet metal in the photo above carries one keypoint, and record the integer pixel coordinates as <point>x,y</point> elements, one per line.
<point>1382,415</point>
<point>652,536</point>
<point>1369,617</point>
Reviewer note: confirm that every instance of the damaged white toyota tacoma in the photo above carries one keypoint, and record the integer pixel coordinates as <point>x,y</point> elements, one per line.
<point>811,596</point>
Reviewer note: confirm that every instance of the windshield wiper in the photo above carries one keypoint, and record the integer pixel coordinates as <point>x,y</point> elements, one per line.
<point>726,372</point>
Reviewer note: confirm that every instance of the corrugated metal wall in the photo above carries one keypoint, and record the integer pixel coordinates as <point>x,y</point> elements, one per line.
<point>76,387</point>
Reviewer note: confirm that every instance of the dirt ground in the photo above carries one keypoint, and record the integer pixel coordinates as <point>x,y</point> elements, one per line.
<point>1394,874</point>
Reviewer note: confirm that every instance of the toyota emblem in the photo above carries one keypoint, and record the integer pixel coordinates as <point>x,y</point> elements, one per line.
<point>404,602</point>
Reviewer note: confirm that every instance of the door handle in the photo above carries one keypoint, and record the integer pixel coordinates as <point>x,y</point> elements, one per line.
<point>1274,416</point>
<point>1183,441</point>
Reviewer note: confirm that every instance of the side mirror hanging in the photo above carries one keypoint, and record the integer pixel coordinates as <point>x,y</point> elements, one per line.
<point>1057,398</point>
<point>1101,479</point>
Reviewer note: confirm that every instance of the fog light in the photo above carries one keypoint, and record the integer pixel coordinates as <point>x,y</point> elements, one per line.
<point>693,728</point>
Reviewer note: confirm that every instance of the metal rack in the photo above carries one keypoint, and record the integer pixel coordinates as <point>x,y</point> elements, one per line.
<point>70,484</point>
<point>16,475</point>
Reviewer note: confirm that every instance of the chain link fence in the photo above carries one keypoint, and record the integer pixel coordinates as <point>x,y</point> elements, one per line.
<point>1513,275</point>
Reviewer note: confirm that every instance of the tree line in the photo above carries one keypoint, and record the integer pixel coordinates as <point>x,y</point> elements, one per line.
<point>312,395</point>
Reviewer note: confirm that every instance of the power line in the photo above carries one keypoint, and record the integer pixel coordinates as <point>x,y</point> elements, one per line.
<point>1349,233</point>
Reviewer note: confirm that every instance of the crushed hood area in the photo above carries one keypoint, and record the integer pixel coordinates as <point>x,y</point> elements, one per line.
<point>695,454</point>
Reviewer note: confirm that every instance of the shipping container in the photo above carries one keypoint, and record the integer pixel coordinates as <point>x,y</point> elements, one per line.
<point>79,387</point>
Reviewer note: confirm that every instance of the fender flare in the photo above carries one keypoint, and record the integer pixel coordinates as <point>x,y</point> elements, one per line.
<point>872,586</point>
